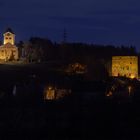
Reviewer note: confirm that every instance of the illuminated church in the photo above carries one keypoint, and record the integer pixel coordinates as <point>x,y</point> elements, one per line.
<point>8,51</point>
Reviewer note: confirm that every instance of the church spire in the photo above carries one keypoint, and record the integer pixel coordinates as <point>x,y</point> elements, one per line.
<point>9,30</point>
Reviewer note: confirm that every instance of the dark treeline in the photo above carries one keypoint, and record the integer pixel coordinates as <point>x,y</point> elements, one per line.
<point>97,58</point>
<point>47,50</point>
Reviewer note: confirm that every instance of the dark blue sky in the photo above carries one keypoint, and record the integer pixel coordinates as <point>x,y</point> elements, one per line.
<point>115,22</point>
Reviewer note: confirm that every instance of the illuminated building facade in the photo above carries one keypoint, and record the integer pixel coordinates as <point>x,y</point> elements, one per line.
<point>76,68</point>
<point>8,51</point>
<point>55,93</point>
<point>126,66</point>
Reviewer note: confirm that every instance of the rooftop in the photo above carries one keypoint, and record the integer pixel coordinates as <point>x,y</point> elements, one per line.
<point>9,30</point>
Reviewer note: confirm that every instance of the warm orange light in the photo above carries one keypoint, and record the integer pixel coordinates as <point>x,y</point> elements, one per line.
<point>76,68</point>
<point>126,66</point>
<point>49,88</point>
<point>129,89</point>
<point>49,93</point>
<point>8,51</point>
<point>109,94</point>
<point>132,76</point>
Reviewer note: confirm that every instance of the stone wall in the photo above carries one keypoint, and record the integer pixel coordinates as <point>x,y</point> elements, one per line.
<point>125,66</point>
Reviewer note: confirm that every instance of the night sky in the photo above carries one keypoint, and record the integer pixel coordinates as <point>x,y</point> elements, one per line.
<point>115,22</point>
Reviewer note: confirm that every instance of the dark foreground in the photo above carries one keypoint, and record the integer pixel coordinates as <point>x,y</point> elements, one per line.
<point>81,115</point>
<point>70,119</point>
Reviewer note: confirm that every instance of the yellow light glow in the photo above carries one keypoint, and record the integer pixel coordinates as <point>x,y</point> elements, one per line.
<point>49,93</point>
<point>8,51</point>
<point>9,38</point>
<point>129,90</point>
<point>50,88</point>
<point>109,94</point>
<point>132,76</point>
<point>126,66</point>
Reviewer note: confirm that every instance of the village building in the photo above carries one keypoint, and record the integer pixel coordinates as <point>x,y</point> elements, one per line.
<point>126,66</point>
<point>9,51</point>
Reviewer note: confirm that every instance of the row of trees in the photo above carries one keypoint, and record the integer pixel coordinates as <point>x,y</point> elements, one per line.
<point>97,58</point>
<point>39,49</point>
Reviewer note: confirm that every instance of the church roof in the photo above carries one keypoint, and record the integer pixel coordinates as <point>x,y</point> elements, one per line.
<point>9,30</point>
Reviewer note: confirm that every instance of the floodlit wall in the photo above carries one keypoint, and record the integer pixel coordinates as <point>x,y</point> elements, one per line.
<point>10,53</point>
<point>125,66</point>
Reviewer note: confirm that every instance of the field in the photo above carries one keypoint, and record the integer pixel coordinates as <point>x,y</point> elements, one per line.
<point>82,115</point>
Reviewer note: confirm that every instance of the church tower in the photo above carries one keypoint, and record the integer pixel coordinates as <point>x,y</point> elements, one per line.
<point>9,51</point>
<point>9,37</point>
